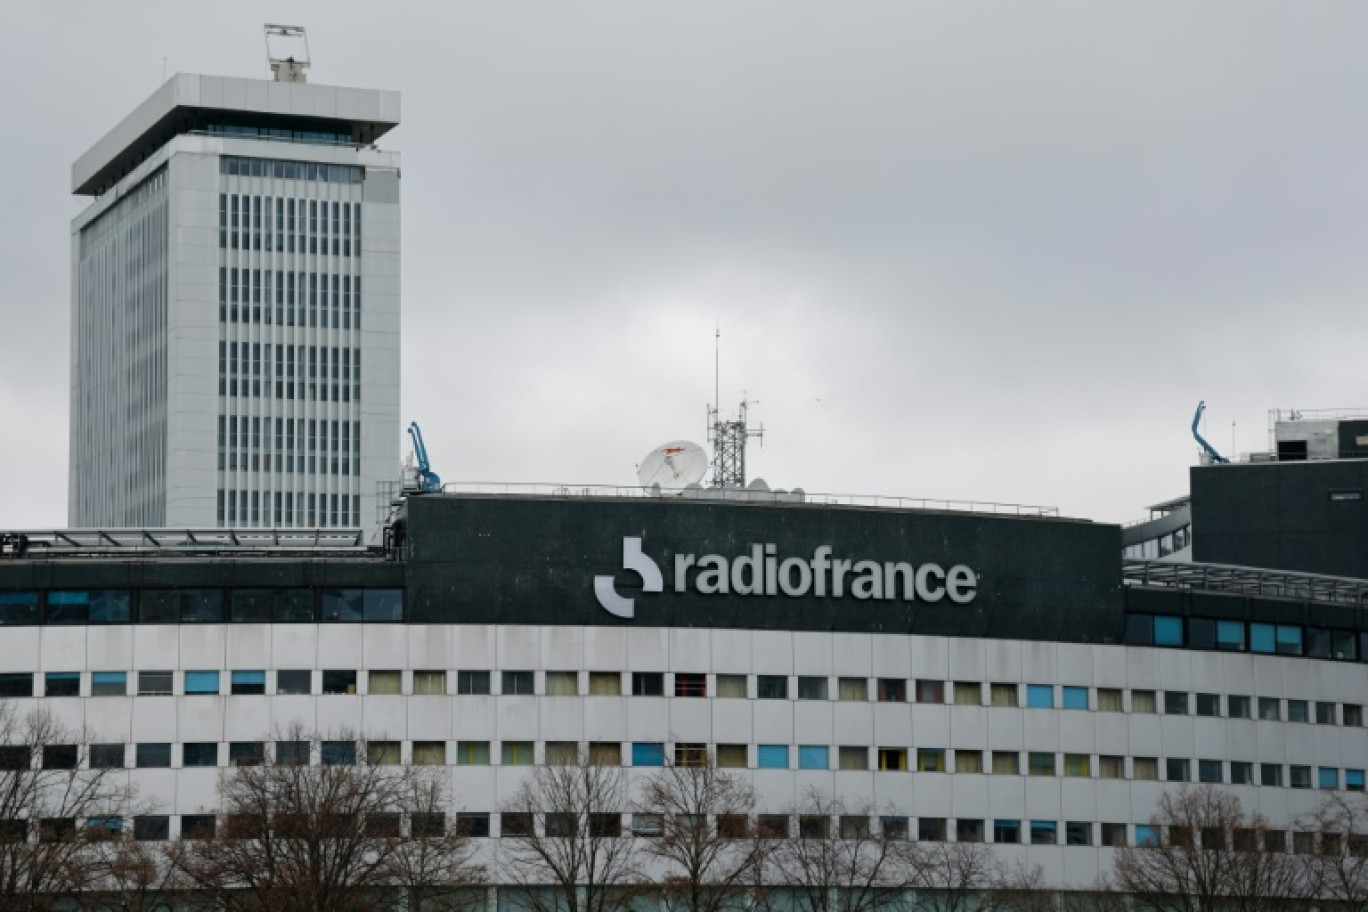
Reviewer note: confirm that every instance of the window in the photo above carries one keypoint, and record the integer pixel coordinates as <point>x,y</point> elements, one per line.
<point>1303,842</point>
<point>517,753</point>
<point>1353,780</point>
<point>733,826</point>
<point>430,753</point>
<point>278,605</point>
<point>351,605</point>
<point>382,753</point>
<point>339,682</point>
<point>967,830</point>
<point>385,682</point>
<point>181,606</point>
<point>1109,699</point>
<point>153,756</point>
<point>519,683</point>
<point>605,684</point>
<point>930,760</point>
<point>115,683</point>
<point>1298,711</point>
<point>892,690</point>
<point>1007,831</point>
<point>691,754</point>
<point>1110,766</point>
<point>343,753</point>
<point>1040,696</point>
<point>1146,835</point>
<point>1230,636</point>
<point>772,756</point>
<point>292,753</point>
<point>429,683</point>
<point>1237,707</point>
<point>472,682</point>
<point>1006,763</point>
<point>248,682</point>
<point>1176,770</point>
<point>850,826</point>
<point>968,761</point>
<point>1040,764</point>
<point>1142,701</point>
<point>294,681</point>
<point>1044,832</point>
<point>106,756</point>
<point>89,606</point>
<point>691,684</point>
<point>1175,703</point>
<point>930,691</point>
<point>650,825</point>
<point>1002,694</point>
<point>59,756</point>
<point>772,826</point>
<point>852,689</point>
<point>814,757</point>
<point>561,684</point>
<point>562,753</point>
<point>1114,834</point>
<point>1325,713</point>
<point>515,824</point>
<point>968,693</point>
<point>62,684</point>
<point>246,753</point>
<point>1353,715</point>
<point>16,684</point>
<point>430,825</point>
<point>1270,774</point>
<point>813,826</point>
<point>1077,766</point>
<point>472,753</point>
<point>1208,704</point>
<point>1270,709</point>
<point>609,753</point>
<point>648,754</point>
<point>199,753</point>
<point>384,824</point>
<point>1168,631</point>
<point>1074,697</point>
<point>929,829</point>
<point>731,686</point>
<point>892,758</point>
<point>648,684</point>
<point>1144,768</point>
<point>1241,773</point>
<point>475,826</point>
<point>771,687</point>
<point>154,683</point>
<point>1327,777</point>
<point>1210,771</point>
<point>812,688</point>
<point>18,608</point>
<point>1078,833</point>
<point>197,826</point>
<point>731,756</point>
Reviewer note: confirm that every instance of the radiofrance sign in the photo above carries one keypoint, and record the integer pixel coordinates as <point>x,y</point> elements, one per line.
<point>761,571</point>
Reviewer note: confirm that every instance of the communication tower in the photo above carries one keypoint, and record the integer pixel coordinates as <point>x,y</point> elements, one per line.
<point>728,436</point>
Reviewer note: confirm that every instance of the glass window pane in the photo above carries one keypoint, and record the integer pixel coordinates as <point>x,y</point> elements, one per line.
<point>429,683</point>
<point>385,683</point>
<point>1040,696</point>
<point>1261,638</point>
<point>813,757</point>
<point>1075,697</point>
<point>1168,631</point>
<point>605,684</point>
<point>294,681</point>
<point>516,753</point>
<point>429,753</point>
<point>731,686</point>
<point>249,682</point>
<point>108,683</point>
<point>562,683</point>
<point>62,684</point>
<point>772,756</point>
<point>18,608</point>
<point>648,754</point>
<point>201,682</point>
<point>472,753</point>
<point>852,689</point>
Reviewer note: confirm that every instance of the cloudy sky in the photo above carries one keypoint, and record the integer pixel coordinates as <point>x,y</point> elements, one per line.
<point>970,250</point>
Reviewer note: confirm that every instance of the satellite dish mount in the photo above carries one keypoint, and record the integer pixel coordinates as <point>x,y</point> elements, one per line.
<point>287,51</point>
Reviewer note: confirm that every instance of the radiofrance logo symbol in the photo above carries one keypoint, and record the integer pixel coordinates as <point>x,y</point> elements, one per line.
<point>632,559</point>
<point>763,572</point>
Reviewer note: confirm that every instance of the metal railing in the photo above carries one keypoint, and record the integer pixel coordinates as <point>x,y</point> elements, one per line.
<point>541,489</point>
<point>1245,581</point>
<point>112,542</point>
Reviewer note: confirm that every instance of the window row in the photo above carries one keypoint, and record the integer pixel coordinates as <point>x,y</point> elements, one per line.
<point>198,606</point>
<point>289,225</point>
<point>1242,636</point>
<point>297,444</point>
<point>286,298</point>
<point>242,166</point>
<point>1163,546</point>
<point>339,511</point>
<point>648,754</point>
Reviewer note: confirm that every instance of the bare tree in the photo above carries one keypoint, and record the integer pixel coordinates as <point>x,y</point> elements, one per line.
<point>950,876</point>
<point>838,862</point>
<point>566,850</point>
<point>1019,888</point>
<point>433,864</point>
<point>1208,854</point>
<point>1338,870</point>
<point>47,805</point>
<point>706,846</point>
<point>332,837</point>
<point>128,876</point>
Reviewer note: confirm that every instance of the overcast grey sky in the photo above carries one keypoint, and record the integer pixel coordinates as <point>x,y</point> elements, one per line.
<point>991,251</point>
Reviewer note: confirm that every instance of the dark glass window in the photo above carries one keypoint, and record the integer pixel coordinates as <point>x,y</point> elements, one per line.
<point>154,683</point>
<point>15,756</point>
<point>519,682</point>
<point>691,685</point>
<point>892,690</point>
<point>62,684</point>
<point>246,753</point>
<point>475,825</point>
<point>89,606</point>
<point>338,753</point>
<point>16,684</point>
<point>294,681</point>
<point>344,605</point>
<point>152,828</point>
<point>108,683</point>
<point>248,682</point>
<point>1201,633</point>
<point>199,753</point>
<point>197,826</point>
<point>771,687</point>
<point>18,608</point>
<point>292,753</point>
<point>1139,630</point>
<point>180,606</point>
<point>472,682</point>
<point>273,605</point>
<point>153,755</point>
<point>106,756</point>
<point>648,684</point>
<point>339,682</point>
<point>59,756</point>
<point>931,829</point>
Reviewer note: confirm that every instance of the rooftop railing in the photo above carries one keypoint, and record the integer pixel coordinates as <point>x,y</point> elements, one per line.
<point>112,542</point>
<point>1245,581</point>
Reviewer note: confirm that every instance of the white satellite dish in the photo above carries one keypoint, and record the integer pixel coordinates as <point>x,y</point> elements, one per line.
<point>673,466</point>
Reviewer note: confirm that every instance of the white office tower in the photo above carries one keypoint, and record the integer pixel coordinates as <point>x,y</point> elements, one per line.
<point>235,309</point>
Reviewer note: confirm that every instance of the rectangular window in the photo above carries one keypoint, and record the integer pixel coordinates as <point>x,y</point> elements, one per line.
<point>1077,766</point>
<point>1237,707</point>
<point>648,684</point>
<point>106,756</point>
<point>339,681</point>
<point>1208,704</point>
<point>1109,699</point>
<point>382,753</point>
<point>1353,780</point>
<point>1006,763</point>
<point>690,684</point>
<point>1044,832</point>
<point>1040,696</point>
<point>771,687</point>
<point>1078,833</point>
<point>609,753</point>
<point>1168,631</point>
<point>1074,697</point>
<point>967,830</point>
<point>772,756</point>
<point>384,683</point>
<point>1146,835</point>
<point>201,682</point>
<point>292,753</point>
<point>472,753</point>
<point>1325,713</point>
<point>112,683</point>
<point>1177,770</point>
<point>1144,768</point>
<point>18,608</point>
<point>515,824</point>
<point>248,682</point>
<point>814,757</point>
<point>429,683</point>
<point>605,684</point>
<point>199,753</point>
<point>1241,773</point>
<point>154,683</point>
<point>1327,777</point>
<point>294,681</point>
<point>930,760</point>
<point>337,753</point>
<point>968,693</point>
<point>472,682</point>
<point>968,761</point>
<point>562,753</point>
<point>16,684</point>
<point>1299,777</point>
<point>153,756</point>
<point>731,686</point>
<point>429,753</point>
<point>1002,694</point>
<point>892,690</point>
<point>1230,636</point>
<point>1040,764</point>
<point>1143,701</point>
<point>1270,709</point>
<point>852,689</point>
<point>929,829</point>
<point>353,605</point>
<point>930,691</point>
<point>246,753</point>
<point>1114,834</point>
<point>851,757</point>
<point>562,684</point>
<point>1111,767</point>
<point>516,753</point>
<point>1210,771</point>
<point>1006,831</point>
<point>89,606</point>
<point>1175,703</point>
<point>693,754</point>
<point>1298,711</point>
<point>1270,774</point>
<point>732,756</point>
<point>648,754</point>
<point>62,684</point>
<point>892,758</point>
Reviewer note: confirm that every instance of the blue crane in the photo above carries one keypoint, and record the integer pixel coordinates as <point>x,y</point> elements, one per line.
<point>1208,448</point>
<point>428,481</point>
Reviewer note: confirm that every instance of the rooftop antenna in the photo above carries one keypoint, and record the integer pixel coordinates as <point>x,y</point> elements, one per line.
<point>287,51</point>
<point>728,437</point>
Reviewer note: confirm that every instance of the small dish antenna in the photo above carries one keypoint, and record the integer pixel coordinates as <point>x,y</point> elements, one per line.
<point>673,466</point>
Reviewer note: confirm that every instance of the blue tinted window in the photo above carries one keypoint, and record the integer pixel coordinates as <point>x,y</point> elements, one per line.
<point>201,682</point>
<point>1289,640</point>
<point>772,756</point>
<point>1261,638</point>
<point>1075,698</point>
<point>813,757</point>
<point>1328,777</point>
<point>1353,780</point>
<point>1040,696</point>
<point>1168,631</point>
<point>1230,635</point>
<point>249,682</point>
<point>648,754</point>
<point>18,607</point>
<point>1146,835</point>
<point>108,683</point>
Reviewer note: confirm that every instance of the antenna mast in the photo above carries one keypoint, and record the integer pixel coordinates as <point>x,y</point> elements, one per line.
<point>287,51</point>
<point>728,437</point>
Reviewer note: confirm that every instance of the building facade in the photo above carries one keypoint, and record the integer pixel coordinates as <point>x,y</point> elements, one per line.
<point>235,309</point>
